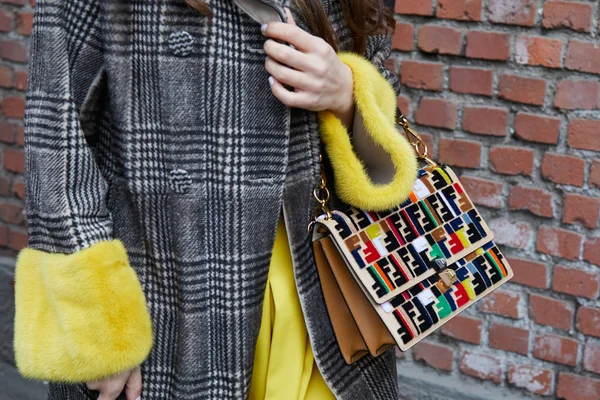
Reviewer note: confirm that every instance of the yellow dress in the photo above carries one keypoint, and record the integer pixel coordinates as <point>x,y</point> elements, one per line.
<point>284,367</point>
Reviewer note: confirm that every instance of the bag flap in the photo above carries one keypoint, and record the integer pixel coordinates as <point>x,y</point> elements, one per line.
<point>392,251</point>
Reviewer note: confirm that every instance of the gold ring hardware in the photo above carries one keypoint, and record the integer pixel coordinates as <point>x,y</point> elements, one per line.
<point>447,278</point>
<point>415,140</point>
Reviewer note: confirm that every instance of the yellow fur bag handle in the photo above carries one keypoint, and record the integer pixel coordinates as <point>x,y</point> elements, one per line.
<point>375,99</point>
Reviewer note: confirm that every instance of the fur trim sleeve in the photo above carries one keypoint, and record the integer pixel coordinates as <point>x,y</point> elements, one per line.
<point>79,316</point>
<point>375,99</point>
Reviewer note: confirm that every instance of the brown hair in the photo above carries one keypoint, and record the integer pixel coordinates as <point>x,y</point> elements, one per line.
<point>364,17</point>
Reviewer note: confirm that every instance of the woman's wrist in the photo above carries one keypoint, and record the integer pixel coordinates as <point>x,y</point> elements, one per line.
<point>345,109</point>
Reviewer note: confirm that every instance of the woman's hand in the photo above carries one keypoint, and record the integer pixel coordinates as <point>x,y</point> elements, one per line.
<point>321,81</point>
<point>111,387</point>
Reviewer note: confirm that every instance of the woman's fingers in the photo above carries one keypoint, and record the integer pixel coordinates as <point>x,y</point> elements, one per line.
<point>111,387</point>
<point>133,387</point>
<point>298,99</point>
<point>286,75</point>
<point>286,55</point>
<point>292,34</point>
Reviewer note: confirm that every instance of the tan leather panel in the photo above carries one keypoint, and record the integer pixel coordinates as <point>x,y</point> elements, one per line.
<point>372,328</point>
<point>349,338</point>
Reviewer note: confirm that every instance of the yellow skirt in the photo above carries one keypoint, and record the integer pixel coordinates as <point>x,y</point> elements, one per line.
<point>284,367</point>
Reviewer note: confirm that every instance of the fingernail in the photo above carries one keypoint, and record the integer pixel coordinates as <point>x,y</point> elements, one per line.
<point>263,28</point>
<point>138,398</point>
<point>271,80</point>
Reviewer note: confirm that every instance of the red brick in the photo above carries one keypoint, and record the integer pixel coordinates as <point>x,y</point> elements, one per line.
<point>488,45</point>
<point>536,380</point>
<point>575,387</point>
<point>460,153</point>
<point>14,160</point>
<point>537,201</point>
<point>11,213</point>
<point>559,242</point>
<point>15,2</point>
<point>439,39</point>
<point>7,132</point>
<point>6,76</point>
<point>484,192</point>
<point>4,186</point>
<point>403,104</point>
<point>13,50</point>
<point>511,160</point>
<point>463,328</point>
<point>591,357</point>
<point>20,135</point>
<point>594,180</point>
<point>462,10</point>
<point>582,209</point>
<point>511,233</point>
<point>559,168</point>
<point>414,7</point>
<point>537,128</point>
<point>548,311</point>
<point>509,338</point>
<point>556,349</point>
<point>437,112</point>
<point>567,14</point>
<point>32,3</point>
<point>422,75</point>
<point>13,107</point>
<point>581,94</point>
<point>428,140</point>
<point>6,20</point>
<point>588,321</point>
<point>582,56</point>
<point>18,188</point>
<point>584,134</point>
<point>3,235</point>
<point>575,282</point>
<point>536,50</point>
<point>403,38</point>
<point>491,121</point>
<point>530,273</point>
<point>21,78</point>
<point>481,366</point>
<point>514,12</point>
<point>501,302</point>
<point>522,90</point>
<point>24,23</point>
<point>591,250</point>
<point>17,239</point>
<point>471,80</point>
<point>434,355</point>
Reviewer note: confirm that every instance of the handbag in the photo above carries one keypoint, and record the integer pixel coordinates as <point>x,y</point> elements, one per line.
<point>394,277</point>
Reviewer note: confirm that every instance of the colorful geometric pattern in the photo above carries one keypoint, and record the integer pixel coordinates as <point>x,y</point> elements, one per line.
<point>396,255</point>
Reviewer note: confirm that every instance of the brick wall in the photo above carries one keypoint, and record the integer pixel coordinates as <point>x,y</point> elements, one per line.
<point>508,91</point>
<point>15,26</point>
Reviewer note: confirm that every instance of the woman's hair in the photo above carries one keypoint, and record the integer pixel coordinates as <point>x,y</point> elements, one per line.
<point>364,17</point>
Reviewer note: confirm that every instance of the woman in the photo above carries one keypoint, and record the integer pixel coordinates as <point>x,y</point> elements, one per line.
<point>165,157</point>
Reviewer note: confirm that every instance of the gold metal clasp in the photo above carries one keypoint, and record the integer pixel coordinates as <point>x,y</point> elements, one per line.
<point>321,193</point>
<point>415,140</point>
<point>447,278</point>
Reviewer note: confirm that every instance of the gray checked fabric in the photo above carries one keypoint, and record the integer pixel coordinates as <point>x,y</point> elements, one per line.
<point>147,123</point>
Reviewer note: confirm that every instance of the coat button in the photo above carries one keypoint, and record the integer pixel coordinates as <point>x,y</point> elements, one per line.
<point>179,181</point>
<point>181,43</point>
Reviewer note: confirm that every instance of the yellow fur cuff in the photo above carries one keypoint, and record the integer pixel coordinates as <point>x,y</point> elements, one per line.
<point>80,316</point>
<point>375,99</point>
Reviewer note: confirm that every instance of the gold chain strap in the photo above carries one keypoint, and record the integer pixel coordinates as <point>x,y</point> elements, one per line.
<point>321,193</point>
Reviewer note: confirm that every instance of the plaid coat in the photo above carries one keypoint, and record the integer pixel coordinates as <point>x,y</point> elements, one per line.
<point>149,124</point>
